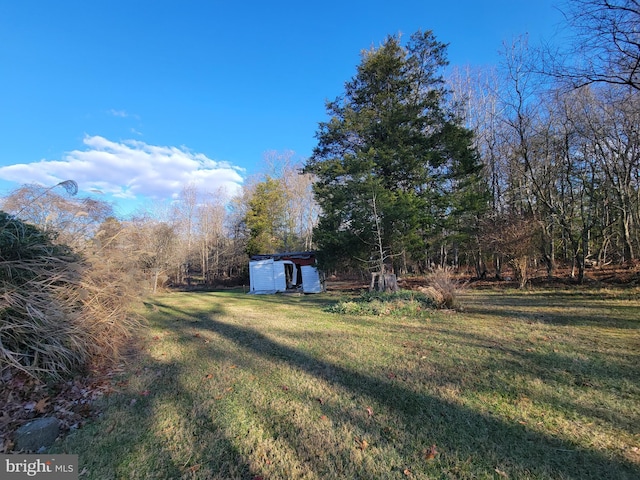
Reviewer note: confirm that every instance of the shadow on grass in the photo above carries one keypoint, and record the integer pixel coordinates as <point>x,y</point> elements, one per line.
<point>461,432</point>
<point>139,438</point>
<point>201,446</point>
<point>531,307</point>
<point>591,373</point>
<point>156,432</point>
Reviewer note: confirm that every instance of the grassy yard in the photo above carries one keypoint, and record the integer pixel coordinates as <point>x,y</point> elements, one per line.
<point>541,384</point>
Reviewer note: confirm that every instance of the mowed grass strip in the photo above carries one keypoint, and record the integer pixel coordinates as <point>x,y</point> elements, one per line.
<point>541,384</point>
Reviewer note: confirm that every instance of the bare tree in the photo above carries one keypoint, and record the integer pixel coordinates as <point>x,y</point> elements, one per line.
<point>302,211</point>
<point>604,44</point>
<point>476,93</point>
<point>607,122</point>
<point>380,280</point>
<point>184,219</point>
<point>157,243</point>
<point>74,220</point>
<point>211,226</point>
<point>514,238</point>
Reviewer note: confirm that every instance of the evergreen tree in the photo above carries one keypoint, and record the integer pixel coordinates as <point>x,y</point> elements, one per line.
<point>392,140</point>
<point>265,218</point>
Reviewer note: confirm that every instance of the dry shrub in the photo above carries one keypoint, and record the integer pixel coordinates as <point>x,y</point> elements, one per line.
<point>58,311</point>
<point>443,287</point>
<point>109,289</point>
<point>40,331</point>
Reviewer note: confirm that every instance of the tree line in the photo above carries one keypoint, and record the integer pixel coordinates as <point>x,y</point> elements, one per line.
<point>535,162</point>
<point>199,238</point>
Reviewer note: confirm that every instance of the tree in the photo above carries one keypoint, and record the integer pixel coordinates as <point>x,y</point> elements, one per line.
<point>301,211</point>
<point>606,122</point>
<point>211,223</point>
<point>605,45</point>
<point>265,218</point>
<point>159,243</point>
<point>184,219</point>
<point>392,141</point>
<point>74,220</point>
<point>514,237</point>
<point>476,95</point>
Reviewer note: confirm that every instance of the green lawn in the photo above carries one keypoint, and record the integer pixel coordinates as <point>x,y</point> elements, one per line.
<point>542,384</point>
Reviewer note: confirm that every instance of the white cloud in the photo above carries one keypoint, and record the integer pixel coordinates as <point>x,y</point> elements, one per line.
<point>121,114</point>
<point>130,170</point>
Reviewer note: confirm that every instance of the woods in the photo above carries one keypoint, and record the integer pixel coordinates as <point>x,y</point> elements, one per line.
<point>532,163</point>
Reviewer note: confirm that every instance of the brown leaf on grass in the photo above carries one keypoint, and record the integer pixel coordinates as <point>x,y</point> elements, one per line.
<point>391,375</point>
<point>324,417</point>
<point>209,376</point>
<point>6,446</point>
<point>501,473</point>
<point>145,393</point>
<point>285,388</point>
<point>23,398</point>
<point>362,443</point>
<point>194,468</point>
<point>407,472</point>
<point>370,411</point>
<point>41,405</point>
<point>430,453</point>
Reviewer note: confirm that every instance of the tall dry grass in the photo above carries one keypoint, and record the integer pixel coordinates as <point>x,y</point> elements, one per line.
<point>40,329</point>
<point>60,311</point>
<point>110,287</point>
<point>443,287</point>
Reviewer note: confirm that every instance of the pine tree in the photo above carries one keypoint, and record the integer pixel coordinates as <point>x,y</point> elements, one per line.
<point>392,137</point>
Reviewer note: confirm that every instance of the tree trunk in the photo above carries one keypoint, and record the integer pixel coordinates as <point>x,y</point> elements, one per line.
<point>155,280</point>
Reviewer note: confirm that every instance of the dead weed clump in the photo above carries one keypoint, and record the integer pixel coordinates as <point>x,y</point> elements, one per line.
<point>40,329</point>
<point>58,313</point>
<point>442,287</point>
<point>108,292</point>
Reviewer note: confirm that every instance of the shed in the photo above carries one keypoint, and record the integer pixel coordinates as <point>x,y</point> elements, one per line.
<point>285,272</point>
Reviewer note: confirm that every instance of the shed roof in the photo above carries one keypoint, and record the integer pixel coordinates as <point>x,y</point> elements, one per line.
<point>285,256</point>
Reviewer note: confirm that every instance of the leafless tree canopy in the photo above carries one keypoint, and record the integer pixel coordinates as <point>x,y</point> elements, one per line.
<point>605,43</point>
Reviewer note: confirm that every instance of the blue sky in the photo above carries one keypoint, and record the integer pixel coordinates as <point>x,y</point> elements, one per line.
<point>138,98</point>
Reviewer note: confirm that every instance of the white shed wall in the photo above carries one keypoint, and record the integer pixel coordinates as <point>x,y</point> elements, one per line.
<point>261,276</point>
<point>310,279</point>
